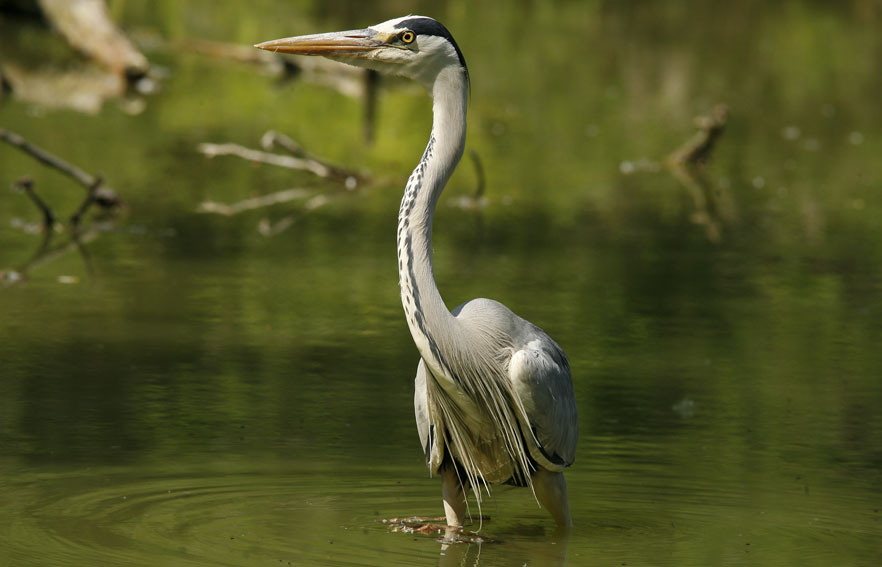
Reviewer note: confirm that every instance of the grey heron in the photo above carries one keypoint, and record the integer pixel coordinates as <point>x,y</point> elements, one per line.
<point>493,398</point>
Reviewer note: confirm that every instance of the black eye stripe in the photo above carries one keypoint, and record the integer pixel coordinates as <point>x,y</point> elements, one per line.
<point>428,26</point>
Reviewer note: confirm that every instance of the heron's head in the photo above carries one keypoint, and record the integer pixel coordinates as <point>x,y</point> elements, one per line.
<point>416,47</point>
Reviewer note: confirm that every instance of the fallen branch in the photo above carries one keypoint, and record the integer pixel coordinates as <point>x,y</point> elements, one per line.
<point>87,26</point>
<point>97,192</point>
<point>87,202</point>
<point>26,185</point>
<point>272,138</point>
<point>697,148</point>
<point>290,162</point>
<point>350,178</point>
<point>46,158</point>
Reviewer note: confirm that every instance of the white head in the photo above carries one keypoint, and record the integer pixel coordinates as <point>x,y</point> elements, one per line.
<point>416,47</point>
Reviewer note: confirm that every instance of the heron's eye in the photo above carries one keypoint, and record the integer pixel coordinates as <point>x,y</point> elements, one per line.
<point>407,37</point>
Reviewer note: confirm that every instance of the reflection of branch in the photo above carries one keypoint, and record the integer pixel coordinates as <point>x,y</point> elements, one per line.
<point>45,254</point>
<point>253,203</point>
<point>707,209</point>
<point>268,228</point>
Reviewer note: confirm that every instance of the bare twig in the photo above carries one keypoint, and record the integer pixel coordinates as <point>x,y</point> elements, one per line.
<point>697,148</point>
<point>87,26</point>
<point>711,208</point>
<point>87,202</point>
<point>272,138</point>
<point>97,191</point>
<point>290,162</point>
<point>349,176</point>
<point>45,157</point>
<point>46,254</point>
<point>26,184</point>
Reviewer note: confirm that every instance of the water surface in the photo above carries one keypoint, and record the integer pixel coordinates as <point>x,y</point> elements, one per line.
<point>184,390</point>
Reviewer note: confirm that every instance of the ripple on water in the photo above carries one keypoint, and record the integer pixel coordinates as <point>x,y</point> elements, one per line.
<point>217,518</point>
<point>634,511</point>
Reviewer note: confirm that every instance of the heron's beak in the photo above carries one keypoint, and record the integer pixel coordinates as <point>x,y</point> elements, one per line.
<point>353,43</point>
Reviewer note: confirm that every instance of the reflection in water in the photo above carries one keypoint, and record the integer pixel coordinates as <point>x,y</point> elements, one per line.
<point>541,552</point>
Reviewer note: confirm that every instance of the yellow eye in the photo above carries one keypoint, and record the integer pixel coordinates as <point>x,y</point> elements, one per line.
<point>407,37</point>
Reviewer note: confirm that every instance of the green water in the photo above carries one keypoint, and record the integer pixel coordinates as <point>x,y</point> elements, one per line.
<point>184,390</point>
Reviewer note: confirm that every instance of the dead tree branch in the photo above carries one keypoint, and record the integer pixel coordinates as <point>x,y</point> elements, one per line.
<point>91,197</point>
<point>697,149</point>
<point>290,162</point>
<point>47,158</point>
<point>26,185</point>
<point>349,177</point>
<point>96,191</point>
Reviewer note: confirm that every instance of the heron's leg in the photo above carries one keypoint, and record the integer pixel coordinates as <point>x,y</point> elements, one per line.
<point>453,495</point>
<point>551,491</point>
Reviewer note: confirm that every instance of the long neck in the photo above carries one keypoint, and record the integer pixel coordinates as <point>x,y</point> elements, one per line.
<point>431,324</point>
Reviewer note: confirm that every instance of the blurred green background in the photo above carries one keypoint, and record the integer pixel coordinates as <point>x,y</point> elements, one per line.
<point>188,388</point>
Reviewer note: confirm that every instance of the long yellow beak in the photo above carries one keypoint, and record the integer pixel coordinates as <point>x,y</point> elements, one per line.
<point>352,42</point>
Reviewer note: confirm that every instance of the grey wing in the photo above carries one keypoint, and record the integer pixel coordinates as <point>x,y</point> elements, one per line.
<point>430,440</point>
<point>540,374</point>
